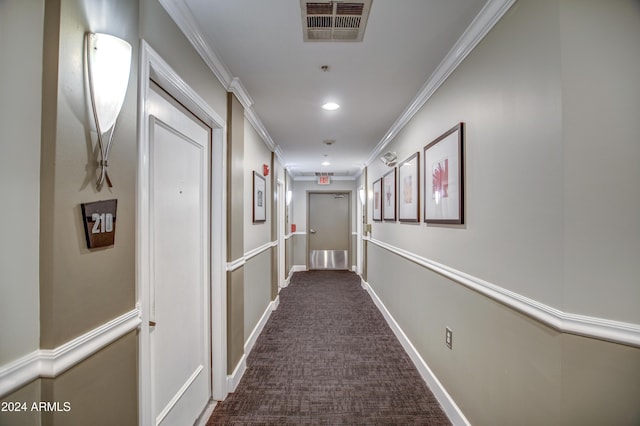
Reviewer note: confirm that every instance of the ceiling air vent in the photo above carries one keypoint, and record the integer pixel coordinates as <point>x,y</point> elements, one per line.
<point>334,20</point>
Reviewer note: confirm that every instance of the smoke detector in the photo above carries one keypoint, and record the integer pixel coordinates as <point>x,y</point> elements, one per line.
<point>329,142</point>
<point>336,21</point>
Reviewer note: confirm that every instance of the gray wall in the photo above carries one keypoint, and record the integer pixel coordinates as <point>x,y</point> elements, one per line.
<point>20,122</point>
<point>550,103</point>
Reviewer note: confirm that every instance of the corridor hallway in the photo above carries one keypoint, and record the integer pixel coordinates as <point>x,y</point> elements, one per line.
<point>327,356</point>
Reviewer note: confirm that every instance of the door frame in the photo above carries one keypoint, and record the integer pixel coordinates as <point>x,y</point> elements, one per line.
<point>349,194</point>
<point>280,232</point>
<point>152,66</point>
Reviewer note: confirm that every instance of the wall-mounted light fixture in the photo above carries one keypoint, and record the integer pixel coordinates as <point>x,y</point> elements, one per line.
<point>362,195</point>
<point>389,159</point>
<point>289,196</point>
<point>108,61</point>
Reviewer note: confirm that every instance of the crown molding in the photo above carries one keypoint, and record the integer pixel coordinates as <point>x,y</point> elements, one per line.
<point>479,27</point>
<point>181,15</point>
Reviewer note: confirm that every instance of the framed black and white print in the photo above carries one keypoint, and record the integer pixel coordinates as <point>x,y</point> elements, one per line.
<point>389,196</point>
<point>444,178</point>
<point>259,198</point>
<point>409,189</point>
<point>377,200</point>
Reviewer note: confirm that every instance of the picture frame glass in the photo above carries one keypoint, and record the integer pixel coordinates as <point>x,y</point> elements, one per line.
<point>389,196</point>
<point>259,198</point>
<point>377,200</point>
<point>409,189</point>
<point>443,175</point>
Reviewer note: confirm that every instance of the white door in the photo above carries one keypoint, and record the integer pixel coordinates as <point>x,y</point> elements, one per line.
<point>179,295</point>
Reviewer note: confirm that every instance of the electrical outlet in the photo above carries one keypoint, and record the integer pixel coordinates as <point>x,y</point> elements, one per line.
<point>448,338</point>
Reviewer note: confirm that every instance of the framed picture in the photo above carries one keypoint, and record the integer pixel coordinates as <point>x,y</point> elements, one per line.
<point>409,189</point>
<point>259,198</point>
<point>389,195</point>
<point>377,200</point>
<point>444,178</point>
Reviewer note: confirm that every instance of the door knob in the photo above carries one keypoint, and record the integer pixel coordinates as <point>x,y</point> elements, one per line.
<point>152,323</point>
<point>312,231</point>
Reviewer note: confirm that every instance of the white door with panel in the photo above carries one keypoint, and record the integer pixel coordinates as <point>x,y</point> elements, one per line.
<point>179,290</point>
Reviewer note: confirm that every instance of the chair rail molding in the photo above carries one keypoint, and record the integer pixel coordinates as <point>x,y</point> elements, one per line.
<point>50,363</point>
<point>565,322</point>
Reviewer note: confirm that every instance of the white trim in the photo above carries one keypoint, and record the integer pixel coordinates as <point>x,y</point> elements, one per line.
<point>234,378</point>
<point>178,395</point>
<point>251,341</point>
<point>183,18</point>
<point>294,268</point>
<point>298,268</point>
<point>481,25</point>
<point>256,251</point>
<point>153,66</point>
<point>232,266</point>
<point>286,237</point>
<point>50,363</point>
<point>299,233</point>
<point>455,415</point>
<point>565,322</point>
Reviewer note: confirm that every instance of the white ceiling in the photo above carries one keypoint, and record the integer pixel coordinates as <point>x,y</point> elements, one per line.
<point>260,43</point>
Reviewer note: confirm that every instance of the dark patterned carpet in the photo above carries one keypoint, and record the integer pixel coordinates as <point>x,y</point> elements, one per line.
<point>326,356</point>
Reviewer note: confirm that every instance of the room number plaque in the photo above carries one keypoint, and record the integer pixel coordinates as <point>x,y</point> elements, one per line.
<point>99,223</point>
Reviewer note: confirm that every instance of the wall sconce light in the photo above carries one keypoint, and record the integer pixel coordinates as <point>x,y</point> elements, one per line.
<point>289,196</point>
<point>108,61</point>
<point>362,196</point>
<point>389,159</point>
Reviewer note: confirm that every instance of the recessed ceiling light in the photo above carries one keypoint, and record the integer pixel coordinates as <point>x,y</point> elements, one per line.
<point>331,106</point>
<point>326,163</point>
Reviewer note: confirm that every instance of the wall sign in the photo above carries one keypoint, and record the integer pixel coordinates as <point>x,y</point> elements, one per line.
<point>99,223</point>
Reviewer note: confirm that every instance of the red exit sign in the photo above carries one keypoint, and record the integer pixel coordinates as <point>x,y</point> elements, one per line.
<point>324,180</point>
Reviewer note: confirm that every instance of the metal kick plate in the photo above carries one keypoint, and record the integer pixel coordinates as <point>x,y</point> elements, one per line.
<point>328,259</point>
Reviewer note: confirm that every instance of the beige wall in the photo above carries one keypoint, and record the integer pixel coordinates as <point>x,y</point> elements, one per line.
<point>81,289</point>
<point>20,121</point>
<point>75,289</point>
<point>258,269</point>
<point>600,110</point>
<point>235,231</point>
<point>550,103</point>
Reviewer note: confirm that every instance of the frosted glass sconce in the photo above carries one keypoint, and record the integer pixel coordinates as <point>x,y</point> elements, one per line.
<point>108,60</point>
<point>289,196</point>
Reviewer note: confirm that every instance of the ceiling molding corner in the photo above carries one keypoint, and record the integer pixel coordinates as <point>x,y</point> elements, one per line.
<point>182,16</point>
<point>477,30</point>
<point>237,88</point>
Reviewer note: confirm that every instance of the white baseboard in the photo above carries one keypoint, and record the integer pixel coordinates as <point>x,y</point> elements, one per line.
<point>234,379</point>
<point>451,409</point>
